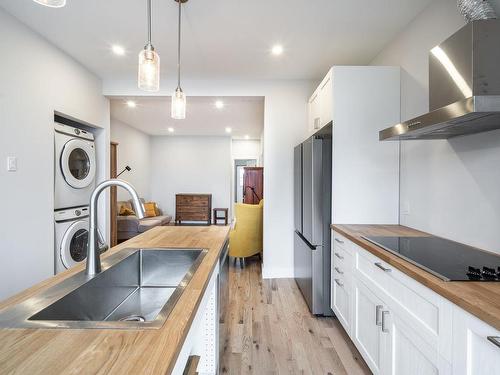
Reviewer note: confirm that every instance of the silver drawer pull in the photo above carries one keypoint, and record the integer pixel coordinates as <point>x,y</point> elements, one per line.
<point>379,265</point>
<point>339,241</point>
<point>339,283</point>
<point>378,309</point>
<point>339,256</point>
<point>495,340</point>
<point>384,314</point>
<point>339,271</point>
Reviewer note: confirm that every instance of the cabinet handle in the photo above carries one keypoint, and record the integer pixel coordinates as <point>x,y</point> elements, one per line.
<point>339,241</point>
<point>378,309</point>
<point>339,271</point>
<point>495,340</point>
<point>384,314</point>
<point>379,265</point>
<point>339,283</point>
<point>339,256</point>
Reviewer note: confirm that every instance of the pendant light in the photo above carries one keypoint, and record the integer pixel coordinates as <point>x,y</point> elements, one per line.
<point>179,98</point>
<point>149,62</point>
<point>51,3</point>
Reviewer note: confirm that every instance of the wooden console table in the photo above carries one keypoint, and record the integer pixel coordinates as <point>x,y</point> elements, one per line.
<point>193,207</point>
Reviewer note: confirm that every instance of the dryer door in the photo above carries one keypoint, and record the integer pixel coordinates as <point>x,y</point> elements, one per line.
<point>78,163</point>
<point>73,248</point>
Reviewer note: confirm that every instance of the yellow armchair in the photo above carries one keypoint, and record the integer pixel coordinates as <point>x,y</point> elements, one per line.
<point>245,238</point>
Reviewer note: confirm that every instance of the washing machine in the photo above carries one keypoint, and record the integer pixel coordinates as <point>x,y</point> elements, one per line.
<point>71,237</point>
<point>75,166</point>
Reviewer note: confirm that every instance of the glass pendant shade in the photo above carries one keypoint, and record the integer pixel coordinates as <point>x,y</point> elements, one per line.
<point>149,70</point>
<point>179,105</point>
<point>51,3</point>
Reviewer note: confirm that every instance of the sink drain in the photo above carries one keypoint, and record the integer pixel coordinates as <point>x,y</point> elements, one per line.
<point>133,318</point>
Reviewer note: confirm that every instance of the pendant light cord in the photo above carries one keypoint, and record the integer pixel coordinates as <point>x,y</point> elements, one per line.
<point>179,49</point>
<point>150,22</point>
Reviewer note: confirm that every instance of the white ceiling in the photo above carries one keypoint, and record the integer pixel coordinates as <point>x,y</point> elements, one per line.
<point>223,38</point>
<point>244,115</point>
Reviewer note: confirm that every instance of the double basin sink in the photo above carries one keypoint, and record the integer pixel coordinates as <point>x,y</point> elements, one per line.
<point>137,289</point>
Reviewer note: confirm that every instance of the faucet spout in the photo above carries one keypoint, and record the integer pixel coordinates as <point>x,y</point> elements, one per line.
<point>93,253</point>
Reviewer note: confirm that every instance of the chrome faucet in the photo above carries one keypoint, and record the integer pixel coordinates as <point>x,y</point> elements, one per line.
<point>93,252</point>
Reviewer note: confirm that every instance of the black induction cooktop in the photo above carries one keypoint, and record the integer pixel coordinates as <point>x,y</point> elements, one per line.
<point>443,258</point>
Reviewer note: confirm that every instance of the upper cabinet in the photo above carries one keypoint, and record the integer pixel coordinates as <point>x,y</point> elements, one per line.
<point>360,101</point>
<point>321,104</point>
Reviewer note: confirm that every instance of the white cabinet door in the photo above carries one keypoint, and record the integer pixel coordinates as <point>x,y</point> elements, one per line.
<point>473,352</point>
<point>341,300</point>
<point>366,332</point>
<point>315,111</point>
<point>326,99</point>
<point>404,352</point>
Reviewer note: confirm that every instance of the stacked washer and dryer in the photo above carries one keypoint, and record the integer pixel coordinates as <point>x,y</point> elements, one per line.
<point>75,170</point>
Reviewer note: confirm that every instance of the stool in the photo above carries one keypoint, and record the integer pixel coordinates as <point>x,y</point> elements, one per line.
<point>224,211</point>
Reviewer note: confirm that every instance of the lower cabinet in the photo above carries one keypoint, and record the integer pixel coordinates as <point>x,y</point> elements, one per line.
<point>367,328</point>
<point>401,327</point>
<point>476,346</point>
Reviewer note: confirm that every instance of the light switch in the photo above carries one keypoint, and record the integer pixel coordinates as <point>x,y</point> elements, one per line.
<point>11,164</point>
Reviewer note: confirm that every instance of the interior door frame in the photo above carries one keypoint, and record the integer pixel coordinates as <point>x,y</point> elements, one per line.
<point>240,163</point>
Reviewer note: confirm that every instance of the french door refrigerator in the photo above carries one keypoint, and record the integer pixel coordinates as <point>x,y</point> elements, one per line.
<point>312,218</point>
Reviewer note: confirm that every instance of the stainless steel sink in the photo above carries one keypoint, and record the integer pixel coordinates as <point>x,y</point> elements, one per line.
<point>137,289</point>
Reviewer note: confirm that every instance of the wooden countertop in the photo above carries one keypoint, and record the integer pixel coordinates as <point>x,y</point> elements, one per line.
<point>105,351</point>
<point>481,299</point>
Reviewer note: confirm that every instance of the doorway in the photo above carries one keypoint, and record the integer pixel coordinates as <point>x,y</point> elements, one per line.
<point>239,180</point>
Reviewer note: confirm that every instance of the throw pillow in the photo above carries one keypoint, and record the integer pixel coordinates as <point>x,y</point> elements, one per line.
<point>149,209</point>
<point>125,211</point>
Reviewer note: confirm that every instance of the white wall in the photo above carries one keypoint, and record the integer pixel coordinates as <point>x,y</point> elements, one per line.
<point>450,187</point>
<point>36,79</point>
<point>246,149</point>
<point>190,165</point>
<point>285,125</point>
<point>134,150</point>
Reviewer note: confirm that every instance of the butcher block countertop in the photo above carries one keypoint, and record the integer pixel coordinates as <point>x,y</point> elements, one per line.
<point>105,351</point>
<point>481,299</point>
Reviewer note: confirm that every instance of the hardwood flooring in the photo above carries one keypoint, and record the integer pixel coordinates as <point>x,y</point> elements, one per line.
<point>271,331</point>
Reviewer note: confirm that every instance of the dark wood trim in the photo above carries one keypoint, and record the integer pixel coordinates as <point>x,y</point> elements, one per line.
<point>113,211</point>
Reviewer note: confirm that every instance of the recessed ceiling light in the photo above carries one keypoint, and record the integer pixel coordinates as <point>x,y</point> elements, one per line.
<point>228,130</point>
<point>131,104</point>
<point>52,3</point>
<point>118,50</point>
<point>277,50</point>
<point>171,130</point>
<point>247,137</point>
<point>219,104</point>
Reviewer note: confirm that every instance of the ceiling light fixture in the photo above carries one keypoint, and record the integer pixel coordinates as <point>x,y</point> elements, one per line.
<point>219,104</point>
<point>277,50</point>
<point>179,98</point>
<point>247,137</point>
<point>51,3</point>
<point>131,104</point>
<point>171,130</point>
<point>149,61</point>
<point>229,130</point>
<point>118,50</point>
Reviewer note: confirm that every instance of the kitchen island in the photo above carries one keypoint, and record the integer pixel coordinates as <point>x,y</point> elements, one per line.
<point>112,351</point>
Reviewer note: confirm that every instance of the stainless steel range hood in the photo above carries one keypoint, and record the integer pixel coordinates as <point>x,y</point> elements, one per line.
<point>464,87</point>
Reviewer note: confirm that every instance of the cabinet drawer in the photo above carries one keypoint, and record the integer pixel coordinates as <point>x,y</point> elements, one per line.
<point>340,241</point>
<point>341,300</point>
<point>341,258</point>
<point>403,295</point>
<point>190,209</point>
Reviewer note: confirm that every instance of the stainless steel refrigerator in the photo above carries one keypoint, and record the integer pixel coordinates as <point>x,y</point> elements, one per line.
<point>312,218</point>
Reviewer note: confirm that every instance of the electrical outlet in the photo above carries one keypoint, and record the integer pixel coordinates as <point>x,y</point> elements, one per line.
<point>11,164</point>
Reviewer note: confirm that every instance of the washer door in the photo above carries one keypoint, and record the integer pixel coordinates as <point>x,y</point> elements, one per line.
<point>78,163</point>
<point>73,248</point>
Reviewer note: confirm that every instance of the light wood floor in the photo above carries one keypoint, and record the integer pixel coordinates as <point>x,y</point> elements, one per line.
<point>270,331</point>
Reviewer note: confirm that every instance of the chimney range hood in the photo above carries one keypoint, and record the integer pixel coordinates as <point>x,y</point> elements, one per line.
<point>464,87</point>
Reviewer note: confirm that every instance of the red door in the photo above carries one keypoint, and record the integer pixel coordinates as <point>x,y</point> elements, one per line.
<point>253,185</point>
